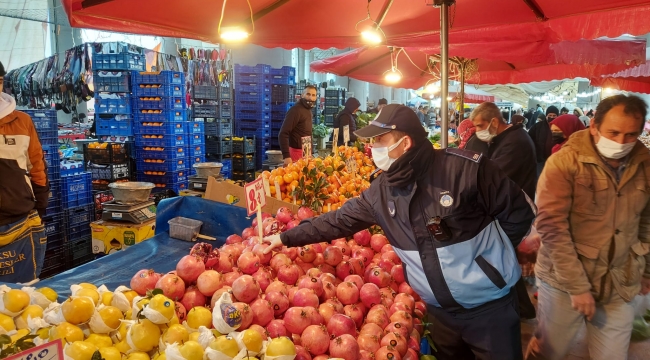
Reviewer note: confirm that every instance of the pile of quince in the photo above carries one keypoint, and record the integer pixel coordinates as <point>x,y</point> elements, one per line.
<point>95,323</point>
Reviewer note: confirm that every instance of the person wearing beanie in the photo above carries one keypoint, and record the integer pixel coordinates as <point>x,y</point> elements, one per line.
<point>24,192</point>
<point>543,138</point>
<point>454,218</point>
<point>347,117</point>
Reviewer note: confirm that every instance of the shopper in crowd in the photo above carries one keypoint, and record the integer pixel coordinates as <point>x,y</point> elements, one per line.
<point>590,114</point>
<point>581,115</point>
<point>518,119</point>
<point>510,148</point>
<point>380,105</point>
<point>347,117</point>
<point>296,125</point>
<point>462,265</point>
<point>539,108</point>
<point>594,222</point>
<point>422,115</point>
<point>24,190</point>
<point>542,137</point>
<point>531,117</point>
<point>465,131</point>
<point>564,111</point>
<point>562,128</point>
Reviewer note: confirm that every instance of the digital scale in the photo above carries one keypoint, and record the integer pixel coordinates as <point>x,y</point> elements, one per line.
<point>137,213</point>
<point>198,183</point>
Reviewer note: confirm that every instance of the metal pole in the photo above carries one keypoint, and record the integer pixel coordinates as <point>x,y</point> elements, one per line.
<point>444,71</point>
<point>461,100</point>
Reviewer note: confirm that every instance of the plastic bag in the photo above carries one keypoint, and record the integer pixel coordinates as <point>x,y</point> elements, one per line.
<point>225,316</point>
<point>119,299</point>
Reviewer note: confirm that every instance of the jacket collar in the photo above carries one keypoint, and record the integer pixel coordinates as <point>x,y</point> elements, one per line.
<point>505,134</point>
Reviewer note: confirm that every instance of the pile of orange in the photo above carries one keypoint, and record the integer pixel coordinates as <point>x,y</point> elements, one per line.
<point>342,185</point>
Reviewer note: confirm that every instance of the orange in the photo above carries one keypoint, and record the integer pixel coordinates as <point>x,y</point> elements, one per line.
<point>280,171</point>
<point>266,175</point>
<point>272,189</point>
<point>287,178</point>
<point>279,179</point>
<point>295,175</point>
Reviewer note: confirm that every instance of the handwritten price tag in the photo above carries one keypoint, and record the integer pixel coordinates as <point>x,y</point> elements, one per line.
<point>49,351</point>
<point>346,134</point>
<point>335,139</point>
<point>255,196</point>
<point>306,147</point>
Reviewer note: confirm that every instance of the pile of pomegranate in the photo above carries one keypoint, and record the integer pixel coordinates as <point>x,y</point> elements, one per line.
<point>347,299</point>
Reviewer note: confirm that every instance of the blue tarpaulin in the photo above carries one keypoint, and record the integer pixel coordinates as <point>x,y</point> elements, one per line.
<point>160,253</point>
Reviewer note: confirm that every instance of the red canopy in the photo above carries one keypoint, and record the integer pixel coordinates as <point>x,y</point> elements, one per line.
<point>370,63</point>
<point>331,23</point>
<point>636,79</point>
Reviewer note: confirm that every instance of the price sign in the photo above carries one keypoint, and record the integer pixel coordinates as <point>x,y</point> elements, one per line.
<point>48,351</point>
<point>351,165</point>
<point>255,196</point>
<point>335,139</point>
<point>346,134</point>
<point>306,147</point>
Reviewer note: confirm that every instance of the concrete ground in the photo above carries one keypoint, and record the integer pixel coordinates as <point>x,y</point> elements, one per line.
<point>637,350</point>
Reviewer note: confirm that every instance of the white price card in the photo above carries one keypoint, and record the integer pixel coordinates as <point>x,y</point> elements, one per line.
<point>306,147</point>
<point>346,134</point>
<point>255,196</point>
<point>335,140</point>
<point>49,351</point>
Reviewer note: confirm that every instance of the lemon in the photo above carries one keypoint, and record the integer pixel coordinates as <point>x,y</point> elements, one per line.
<point>15,300</point>
<point>122,330</point>
<point>7,323</point>
<point>80,350</point>
<point>66,331</point>
<point>100,340</point>
<point>19,334</point>
<point>49,293</point>
<point>145,335</point>
<point>91,293</point>
<point>111,316</point>
<point>138,355</point>
<point>175,334</point>
<point>130,295</point>
<point>199,316</point>
<point>77,310</point>
<point>160,356</point>
<point>123,347</point>
<point>107,298</point>
<point>110,353</point>
<point>163,305</point>
<point>43,333</point>
<point>33,311</point>
<point>88,286</point>
<point>226,345</point>
<point>252,340</point>
<point>194,336</point>
<point>281,346</point>
<point>192,350</point>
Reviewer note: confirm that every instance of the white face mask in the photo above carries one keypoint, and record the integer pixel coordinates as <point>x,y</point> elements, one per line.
<point>485,135</point>
<point>611,149</point>
<point>380,155</point>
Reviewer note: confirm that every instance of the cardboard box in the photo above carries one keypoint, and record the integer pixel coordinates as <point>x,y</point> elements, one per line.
<point>228,193</point>
<point>111,236</point>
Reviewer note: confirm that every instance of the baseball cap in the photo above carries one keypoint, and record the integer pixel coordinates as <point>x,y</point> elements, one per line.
<point>394,117</point>
<point>382,101</point>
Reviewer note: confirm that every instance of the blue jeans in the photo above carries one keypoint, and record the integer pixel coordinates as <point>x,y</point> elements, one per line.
<point>22,249</point>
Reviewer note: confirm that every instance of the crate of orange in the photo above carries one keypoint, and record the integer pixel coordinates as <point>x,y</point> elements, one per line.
<point>323,184</point>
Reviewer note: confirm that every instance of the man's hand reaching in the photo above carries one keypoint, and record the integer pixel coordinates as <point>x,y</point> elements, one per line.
<point>275,241</point>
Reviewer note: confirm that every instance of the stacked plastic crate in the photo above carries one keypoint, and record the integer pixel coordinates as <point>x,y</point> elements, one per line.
<point>334,98</point>
<point>161,129</point>
<point>283,94</point>
<point>112,65</point>
<point>216,111</point>
<point>252,117</point>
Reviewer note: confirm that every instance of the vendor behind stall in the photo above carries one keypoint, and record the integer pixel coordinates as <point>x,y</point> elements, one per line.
<point>24,190</point>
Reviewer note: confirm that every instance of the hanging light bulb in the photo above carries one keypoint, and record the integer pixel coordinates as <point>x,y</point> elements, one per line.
<point>432,88</point>
<point>372,36</point>
<point>233,33</point>
<point>392,76</point>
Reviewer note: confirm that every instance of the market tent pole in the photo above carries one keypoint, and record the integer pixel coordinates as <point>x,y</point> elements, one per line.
<point>444,68</point>
<point>461,100</point>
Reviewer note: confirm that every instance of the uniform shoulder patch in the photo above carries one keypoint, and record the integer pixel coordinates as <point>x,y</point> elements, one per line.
<point>466,154</point>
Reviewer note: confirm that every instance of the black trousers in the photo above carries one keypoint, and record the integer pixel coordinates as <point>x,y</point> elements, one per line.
<point>489,332</point>
<point>526,307</point>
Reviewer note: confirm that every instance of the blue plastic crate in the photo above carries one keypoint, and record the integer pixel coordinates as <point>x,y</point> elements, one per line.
<point>159,103</point>
<point>78,215</point>
<point>169,177</point>
<point>161,78</point>
<point>43,119</point>
<point>159,90</point>
<point>218,128</point>
<point>53,223</point>
<point>71,167</point>
<point>161,165</point>
<point>54,198</point>
<point>49,140</point>
<point>253,124</point>
<point>225,109</point>
<point>227,165</point>
<point>283,108</point>
<point>218,145</point>
<point>252,115</point>
<point>195,127</point>
<point>278,117</point>
<point>116,47</point>
<point>205,92</point>
<point>159,140</point>
<point>118,62</point>
<point>112,81</point>
<point>51,156</point>
<point>259,134</point>
<point>283,80</point>
<point>195,150</point>
<point>244,163</point>
<point>242,78</point>
<point>166,115</point>
<point>254,87</point>
<point>118,125</point>
<point>257,69</point>
<point>225,92</point>
<point>253,106</point>
<point>195,139</point>
<point>146,127</point>
<point>76,190</point>
<point>206,111</point>
<point>176,152</point>
<point>276,125</point>
<point>284,71</point>
<point>48,133</point>
<point>261,96</point>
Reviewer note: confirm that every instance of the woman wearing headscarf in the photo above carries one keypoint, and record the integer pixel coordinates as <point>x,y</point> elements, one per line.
<point>562,128</point>
<point>465,131</point>
<point>347,116</point>
<point>581,115</point>
<point>518,120</point>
